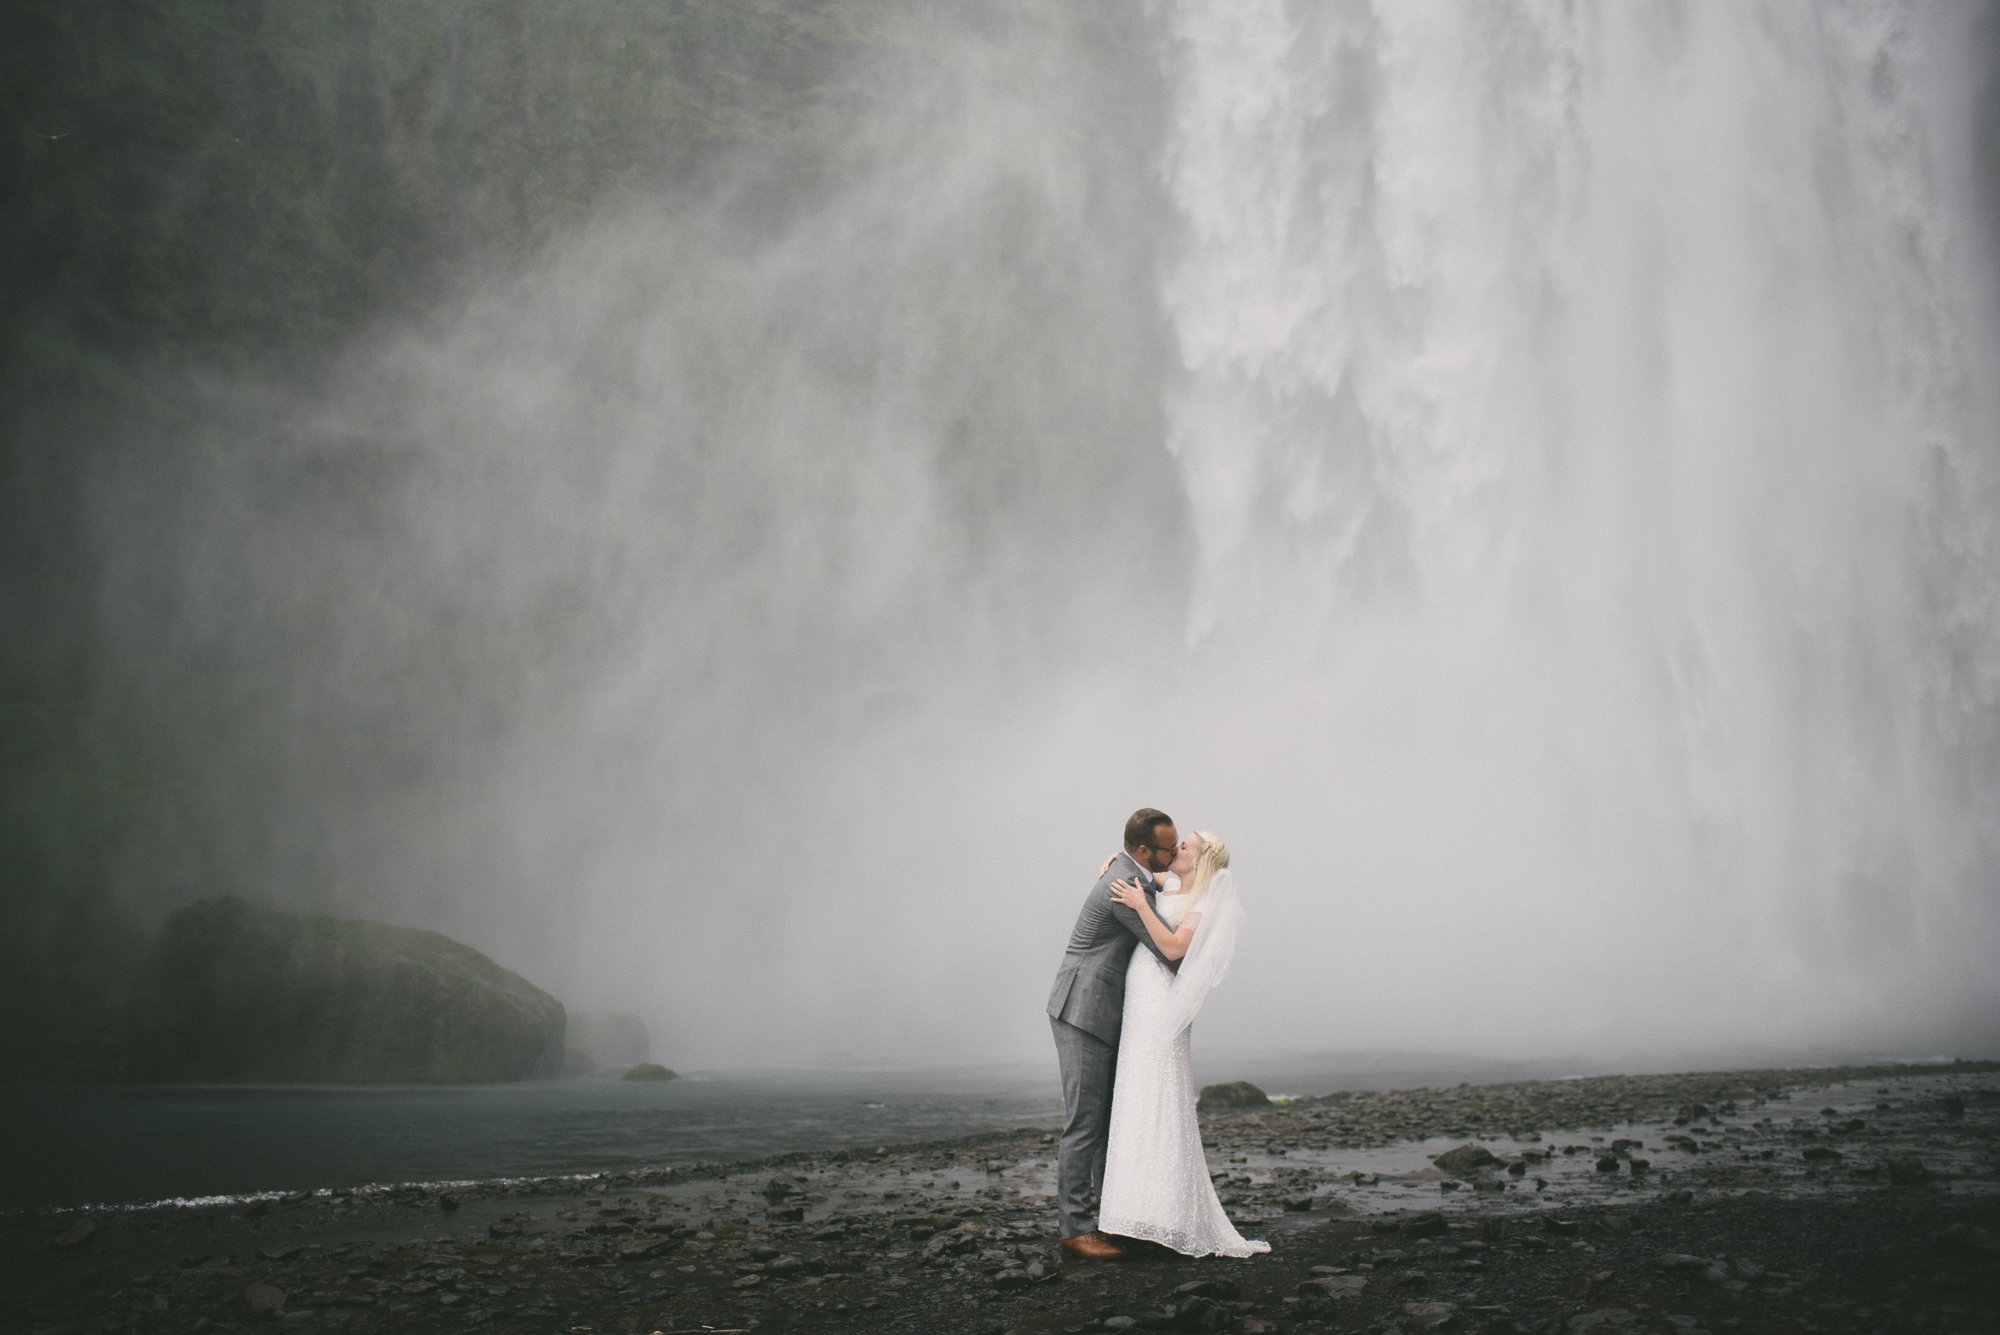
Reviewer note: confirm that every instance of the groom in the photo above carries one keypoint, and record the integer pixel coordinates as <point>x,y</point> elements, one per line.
<point>1086,1008</point>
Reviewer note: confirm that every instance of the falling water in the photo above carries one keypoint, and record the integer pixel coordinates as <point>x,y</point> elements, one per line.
<point>1524,472</point>
<point>1587,416</point>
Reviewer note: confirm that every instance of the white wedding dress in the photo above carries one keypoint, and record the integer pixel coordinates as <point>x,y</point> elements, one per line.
<point>1156,1184</point>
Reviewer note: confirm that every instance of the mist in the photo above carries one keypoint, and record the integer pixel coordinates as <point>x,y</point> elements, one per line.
<point>1525,477</point>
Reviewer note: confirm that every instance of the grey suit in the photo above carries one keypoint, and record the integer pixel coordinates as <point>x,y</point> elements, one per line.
<point>1086,1008</point>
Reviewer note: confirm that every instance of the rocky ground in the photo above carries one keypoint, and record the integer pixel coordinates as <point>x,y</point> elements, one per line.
<point>1830,1200</point>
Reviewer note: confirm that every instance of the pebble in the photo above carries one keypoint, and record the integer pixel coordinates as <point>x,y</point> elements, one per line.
<point>1428,1225</point>
<point>75,1236</point>
<point>1907,1170</point>
<point>1430,1316</point>
<point>263,1297</point>
<point>1333,1286</point>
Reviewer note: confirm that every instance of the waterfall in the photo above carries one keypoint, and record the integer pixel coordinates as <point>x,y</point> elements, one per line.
<point>1523,472</point>
<point>1586,411</point>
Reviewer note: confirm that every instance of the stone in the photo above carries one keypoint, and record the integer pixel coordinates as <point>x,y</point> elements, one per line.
<point>1681,1261</point>
<point>1466,1159</point>
<point>1235,1094</point>
<point>1907,1170</point>
<point>1120,1322</point>
<point>76,1236</point>
<point>1969,1238</point>
<point>650,1071</point>
<point>264,1297</point>
<point>1333,1286</point>
<point>1821,1154</point>
<point>1198,1313</point>
<point>1430,1316</point>
<point>1430,1225</point>
<point>1607,1163</point>
<point>1600,1319</point>
<point>233,991</point>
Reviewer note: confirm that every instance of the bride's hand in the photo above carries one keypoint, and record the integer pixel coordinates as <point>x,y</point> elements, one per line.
<point>1129,894</point>
<point>1107,866</point>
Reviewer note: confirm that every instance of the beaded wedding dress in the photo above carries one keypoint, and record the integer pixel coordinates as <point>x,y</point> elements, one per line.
<point>1156,1184</point>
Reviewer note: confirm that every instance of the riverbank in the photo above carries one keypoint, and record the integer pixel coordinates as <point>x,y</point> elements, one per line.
<point>1847,1199</point>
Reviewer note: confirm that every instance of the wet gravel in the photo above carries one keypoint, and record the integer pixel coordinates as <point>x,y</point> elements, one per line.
<point>1826,1200</point>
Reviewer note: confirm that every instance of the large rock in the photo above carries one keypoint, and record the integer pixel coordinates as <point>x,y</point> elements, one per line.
<point>1236,1094</point>
<point>236,992</point>
<point>1468,1159</point>
<point>650,1071</point>
<point>610,1039</point>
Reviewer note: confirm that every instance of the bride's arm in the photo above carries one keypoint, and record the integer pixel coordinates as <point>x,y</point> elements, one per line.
<point>1172,944</point>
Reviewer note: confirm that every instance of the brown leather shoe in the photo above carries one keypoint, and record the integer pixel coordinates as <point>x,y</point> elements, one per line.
<point>1091,1246</point>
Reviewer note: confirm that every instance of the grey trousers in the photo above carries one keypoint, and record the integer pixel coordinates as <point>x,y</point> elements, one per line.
<point>1088,1065</point>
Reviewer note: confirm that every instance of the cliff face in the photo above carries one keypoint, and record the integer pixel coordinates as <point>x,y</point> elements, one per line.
<point>236,992</point>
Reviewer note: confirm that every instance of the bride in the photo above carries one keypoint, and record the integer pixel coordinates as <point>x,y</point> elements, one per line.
<point>1156,1183</point>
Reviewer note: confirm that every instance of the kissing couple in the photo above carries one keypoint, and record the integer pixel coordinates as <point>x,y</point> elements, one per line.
<point>1131,1145</point>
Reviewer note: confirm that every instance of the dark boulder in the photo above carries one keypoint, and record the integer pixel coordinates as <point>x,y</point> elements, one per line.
<point>1907,1170</point>
<point>1236,1094</point>
<point>650,1071</point>
<point>1466,1160</point>
<point>236,992</point>
<point>1427,1225</point>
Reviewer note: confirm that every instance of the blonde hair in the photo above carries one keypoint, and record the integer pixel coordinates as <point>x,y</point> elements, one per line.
<point>1214,857</point>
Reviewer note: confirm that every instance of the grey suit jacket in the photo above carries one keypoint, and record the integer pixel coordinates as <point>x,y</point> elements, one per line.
<point>1090,985</point>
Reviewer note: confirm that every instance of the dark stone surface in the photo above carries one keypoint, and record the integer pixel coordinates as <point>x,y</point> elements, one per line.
<point>909,1240</point>
<point>1466,1159</point>
<point>650,1071</point>
<point>1236,1094</point>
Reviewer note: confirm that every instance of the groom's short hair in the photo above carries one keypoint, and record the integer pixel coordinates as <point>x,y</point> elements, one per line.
<point>1140,826</point>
